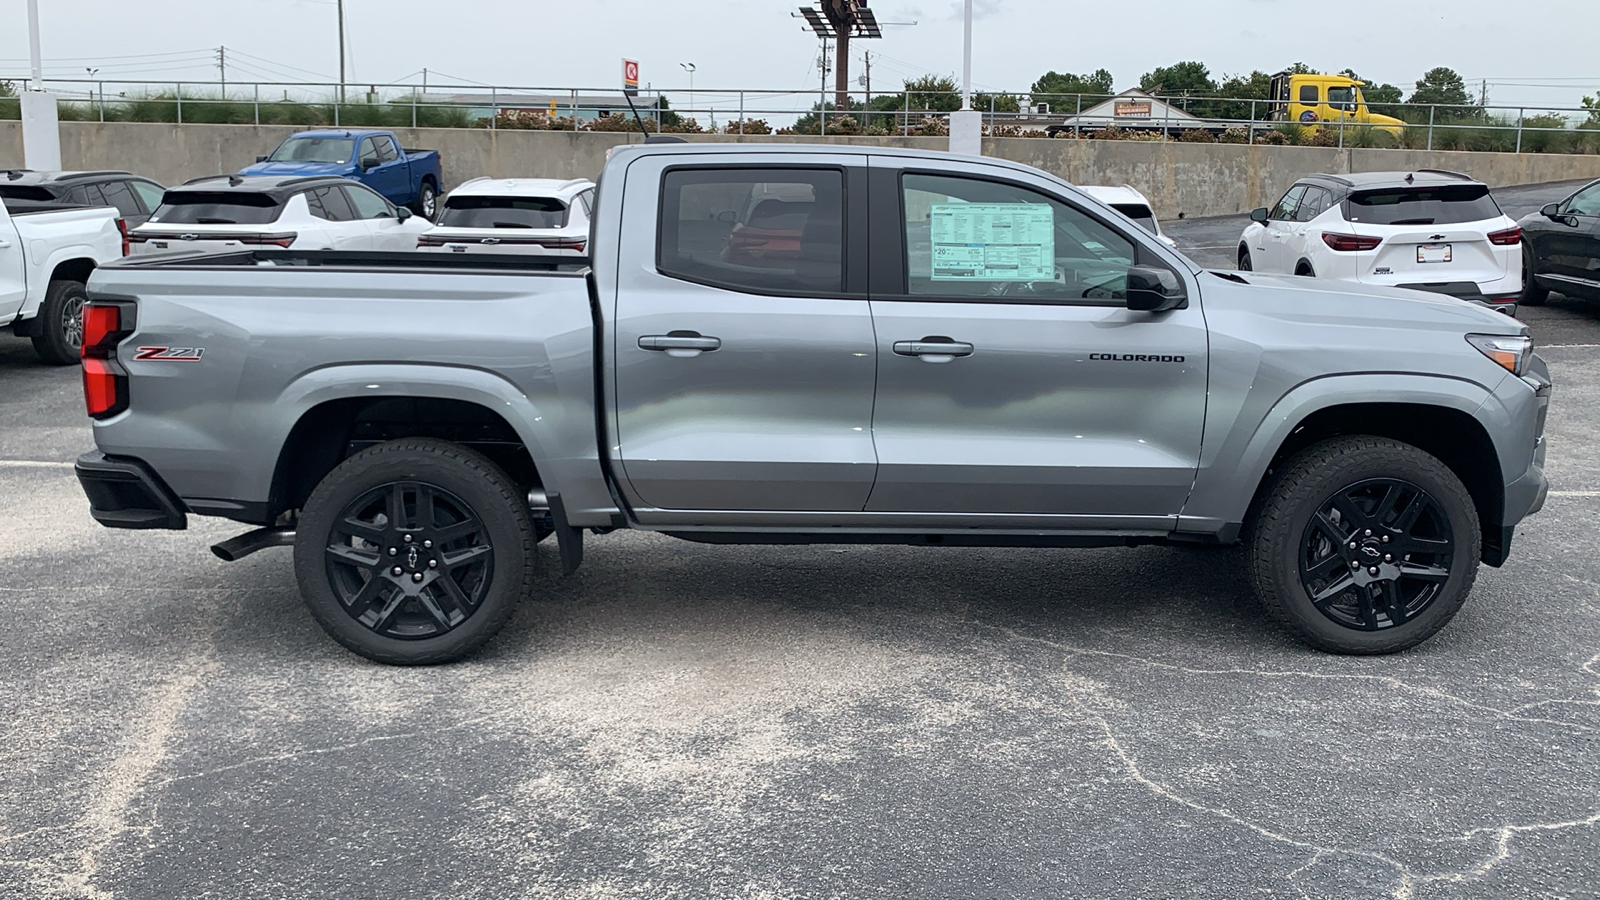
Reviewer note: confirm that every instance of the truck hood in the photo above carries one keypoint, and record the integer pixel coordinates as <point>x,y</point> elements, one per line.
<point>298,168</point>
<point>1351,303</point>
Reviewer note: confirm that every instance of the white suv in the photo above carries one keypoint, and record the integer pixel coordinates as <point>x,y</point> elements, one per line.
<point>1131,202</point>
<point>1428,230</point>
<point>546,216</point>
<point>231,212</point>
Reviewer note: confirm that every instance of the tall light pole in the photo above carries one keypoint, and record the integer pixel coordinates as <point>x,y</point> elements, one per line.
<point>966,125</point>
<point>689,67</point>
<point>41,128</point>
<point>341,51</point>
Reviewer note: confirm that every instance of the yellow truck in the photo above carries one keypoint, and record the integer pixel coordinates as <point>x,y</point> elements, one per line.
<point>1318,100</point>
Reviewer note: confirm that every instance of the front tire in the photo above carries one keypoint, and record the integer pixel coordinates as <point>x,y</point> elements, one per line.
<point>1532,293</point>
<point>1364,545</point>
<point>1244,259</point>
<point>58,335</point>
<point>414,552</point>
<point>427,205</point>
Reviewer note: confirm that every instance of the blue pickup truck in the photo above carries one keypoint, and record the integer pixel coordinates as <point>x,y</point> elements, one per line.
<point>374,158</point>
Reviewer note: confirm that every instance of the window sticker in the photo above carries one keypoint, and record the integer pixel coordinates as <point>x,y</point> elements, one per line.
<point>993,242</point>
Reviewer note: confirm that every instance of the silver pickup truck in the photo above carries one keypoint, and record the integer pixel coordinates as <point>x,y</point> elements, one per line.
<point>784,344</point>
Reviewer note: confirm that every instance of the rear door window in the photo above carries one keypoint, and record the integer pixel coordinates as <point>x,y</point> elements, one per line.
<point>118,194</point>
<point>87,195</point>
<point>366,203</point>
<point>329,203</point>
<point>1585,202</point>
<point>216,208</point>
<point>756,230</point>
<point>1444,205</point>
<point>1313,204</point>
<point>503,212</point>
<point>149,194</point>
<point>369,151</point>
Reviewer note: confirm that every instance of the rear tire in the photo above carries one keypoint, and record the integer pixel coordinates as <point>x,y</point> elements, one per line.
<point>58,335</point>
<point>1244,259</point>
<point>1304,268</point>
<point>414,552</point>
<point>1532,293</point>
<point>427,205</point>
<point>1416,545</point>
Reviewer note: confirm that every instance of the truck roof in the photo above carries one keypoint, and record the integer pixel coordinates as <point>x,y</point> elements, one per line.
<point>29,176</point>
<point>342,132</point>
<point>708,149</point>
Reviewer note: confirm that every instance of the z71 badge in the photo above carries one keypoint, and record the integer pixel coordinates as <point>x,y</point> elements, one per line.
<point>171,354</point>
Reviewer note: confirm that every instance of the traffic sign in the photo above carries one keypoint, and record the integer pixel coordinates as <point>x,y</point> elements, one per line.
<point>630,77</point>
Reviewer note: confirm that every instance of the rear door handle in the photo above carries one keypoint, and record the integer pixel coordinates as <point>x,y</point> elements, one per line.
<point>680,344</point>
<point>933,349</point>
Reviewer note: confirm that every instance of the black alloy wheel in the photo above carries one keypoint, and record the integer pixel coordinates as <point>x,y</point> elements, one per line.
<point>1244,259</point>
<point>410,560</point>
<point>414,551</point>
<point>1363,544</point>
<point>1377,554</point>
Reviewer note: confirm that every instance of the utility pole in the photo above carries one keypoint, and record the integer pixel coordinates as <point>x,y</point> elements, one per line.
<point>822,87</point>
<point>966,124</point>
<point>341,51</point>
<point>222,64</point>
<point>41,123</point>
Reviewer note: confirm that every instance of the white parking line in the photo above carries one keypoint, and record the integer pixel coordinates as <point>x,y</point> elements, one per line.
<point>34,464</point>
<point>1575,493</point>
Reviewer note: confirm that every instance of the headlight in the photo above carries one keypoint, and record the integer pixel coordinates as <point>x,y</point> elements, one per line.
<point>1510,351</point>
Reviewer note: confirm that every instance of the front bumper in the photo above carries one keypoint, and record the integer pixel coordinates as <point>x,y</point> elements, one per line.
<point>123,492</point>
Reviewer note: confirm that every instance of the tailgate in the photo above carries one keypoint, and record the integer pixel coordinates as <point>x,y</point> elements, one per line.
<point>1447,253</point>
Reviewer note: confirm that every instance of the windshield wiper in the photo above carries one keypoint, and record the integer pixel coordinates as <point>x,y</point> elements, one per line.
<point>1424,221</point>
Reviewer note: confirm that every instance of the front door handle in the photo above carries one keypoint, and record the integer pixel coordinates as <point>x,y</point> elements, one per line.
<point>933,349</point>
<point>680,344</point>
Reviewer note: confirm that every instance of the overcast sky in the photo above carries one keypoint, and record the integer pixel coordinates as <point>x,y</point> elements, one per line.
<point>1533,52</point>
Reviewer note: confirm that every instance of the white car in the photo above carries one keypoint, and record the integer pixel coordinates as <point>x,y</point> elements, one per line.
<point>545,216</point>
<point>1129,201</point>
<point>233,212</point>
<point>1428,230</point>
<point>47,251</point>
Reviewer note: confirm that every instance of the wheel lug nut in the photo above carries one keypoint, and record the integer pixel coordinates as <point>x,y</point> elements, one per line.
<point>1355,565</point>
<point>1372,571</point>
<point>394,550</point>
<point>1388,557</point>
<point>433,564</point>
<point>1386,539</point>
<point>396,570</point>
<point>418,576</point>
<point>408,537</point>
<point>428,545</point>
<point>1369,534</point>
<point>1352,545</point>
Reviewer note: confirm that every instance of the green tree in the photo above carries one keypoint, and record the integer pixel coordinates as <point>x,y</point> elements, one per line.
<point>936,93</point>
<point>1592,104</point>
<point>1237,91</point>
<point>1443,86</point>
<point>1003,103</point>
<point>1053,82</point>
<point>1376,92</point>
<point>7,89</point>
<point>1301,68</point>
<point>1188,78</point>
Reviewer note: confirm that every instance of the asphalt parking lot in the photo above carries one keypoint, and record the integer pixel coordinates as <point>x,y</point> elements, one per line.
<point>683,720</point>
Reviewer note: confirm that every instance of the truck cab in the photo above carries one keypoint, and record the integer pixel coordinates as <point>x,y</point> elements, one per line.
<point>1317,100</point>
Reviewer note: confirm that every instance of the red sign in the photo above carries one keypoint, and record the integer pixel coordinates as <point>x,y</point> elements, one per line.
<point>630,77</point>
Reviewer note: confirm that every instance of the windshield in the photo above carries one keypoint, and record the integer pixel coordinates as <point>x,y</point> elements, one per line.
<point>215,208</point>
<point>1140,214</point>
<point>1449,205</point>
<point>313,149</point>
<point>504,212</point>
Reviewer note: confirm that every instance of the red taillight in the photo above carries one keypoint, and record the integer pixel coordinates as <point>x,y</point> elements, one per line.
<point>563,245</point>
<point>282,239</point>
<point>1349,242</point>
<point>105,384</point>
<point>122,229</point>
<point>1507,237</point>
<point>430,241</point>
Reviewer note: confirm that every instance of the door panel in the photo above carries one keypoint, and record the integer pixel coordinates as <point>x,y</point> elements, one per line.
<point>744,370</point>
<point>13,288</point>
<point>1068,404</point>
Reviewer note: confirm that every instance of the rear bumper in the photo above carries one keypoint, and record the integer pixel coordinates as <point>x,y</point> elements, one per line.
<point>1471,291</point>
<point>123,492</point>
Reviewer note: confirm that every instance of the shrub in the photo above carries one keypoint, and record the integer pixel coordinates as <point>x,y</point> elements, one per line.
<point>933,127</point>
<point>1197,136</point>
<point>1320,137</point>
<point>1272,138</point>
<point>1234,136</point>
<point>750,126</point>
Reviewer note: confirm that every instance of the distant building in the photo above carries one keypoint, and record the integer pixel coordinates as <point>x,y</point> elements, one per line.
<point>1132,109</point>
<point>586,107</point>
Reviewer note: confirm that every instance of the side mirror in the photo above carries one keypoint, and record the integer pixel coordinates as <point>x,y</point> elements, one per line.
<point>368,164</point>
<point>728,216</point>
<point>261,159</point>
<point>1550,210</point>
<point>402,214</point>
<point>1151,289</point>
<point>1259,215</point>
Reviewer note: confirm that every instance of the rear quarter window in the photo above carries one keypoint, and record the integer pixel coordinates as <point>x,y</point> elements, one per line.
<point>216,208</point>
<point>1448,205</point>
<point>24,192</point>
<point>1139,213</point>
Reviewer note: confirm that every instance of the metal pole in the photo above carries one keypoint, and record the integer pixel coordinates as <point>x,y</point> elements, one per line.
<point>257,102</point>
<point>494,108</point>
<point>741,112</point>
<point>102,88</point>
<point>966,54</point>
<point>1431,108</point>
<point>341,57</point>
<point>179,95</point>
<point>906,114</point>
<point>34,58</point>
<point>1077,120</point>
<point>1520,111</point>
<point>413,106</point>
<point>1250,137</point>
<point>575,110</point>
<point>991,115</point>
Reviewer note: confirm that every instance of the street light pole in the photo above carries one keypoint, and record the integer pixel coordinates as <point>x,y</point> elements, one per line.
<point>966,124</point>
<point>41,125</point>
<point>689,67</point>
<point>341,51</point>
<point>966,55</point>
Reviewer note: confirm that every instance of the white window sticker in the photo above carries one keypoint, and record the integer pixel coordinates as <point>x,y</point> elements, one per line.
<point>993,242</point>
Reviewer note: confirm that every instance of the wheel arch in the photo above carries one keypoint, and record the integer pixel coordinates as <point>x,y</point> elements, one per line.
<point>76,269</point>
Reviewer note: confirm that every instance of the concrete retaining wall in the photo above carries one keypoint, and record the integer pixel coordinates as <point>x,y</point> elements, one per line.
<point>1180,179</point>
